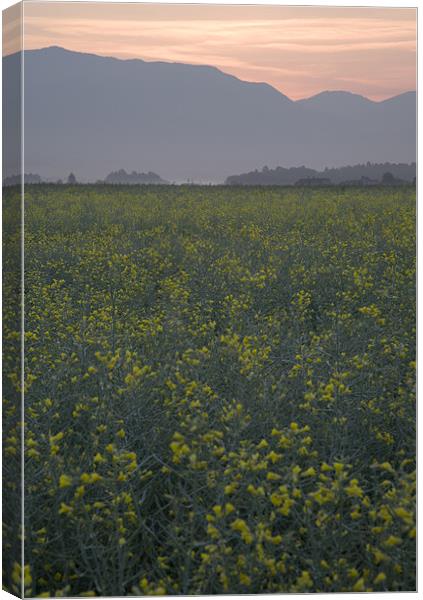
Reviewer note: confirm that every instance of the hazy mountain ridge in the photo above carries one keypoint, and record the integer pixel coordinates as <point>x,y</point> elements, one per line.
<point>86,113</point>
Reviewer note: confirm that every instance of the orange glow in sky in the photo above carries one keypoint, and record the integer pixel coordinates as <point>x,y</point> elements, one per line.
<point>299,50</point>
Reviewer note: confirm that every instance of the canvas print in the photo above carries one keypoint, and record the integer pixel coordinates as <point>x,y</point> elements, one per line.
<point>208,299</point>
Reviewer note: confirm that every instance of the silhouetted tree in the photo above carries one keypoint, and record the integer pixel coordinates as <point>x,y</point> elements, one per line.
<point>71,179</point>
<point>388,178</point>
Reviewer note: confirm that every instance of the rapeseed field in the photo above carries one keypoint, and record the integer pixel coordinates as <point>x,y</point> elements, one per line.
<point>219,390</point>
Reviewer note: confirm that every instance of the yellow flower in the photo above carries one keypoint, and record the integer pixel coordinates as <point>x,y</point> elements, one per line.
<point>179,450</point>
<point>386,466</point>
<point>305,580</point>
<point>230,488</point>
<point>90,477</point>
<point>339,467</point>
<point>379,556</point>
<point>273,456</point>
<point>392,540</point>
<point>354,489</point>
<point>276,499</point>
<point>27,576</point>
<point>56,438</point>
<point>16,573</point>
<point>262,444</point>
<point>241,526</point>
<point>359,585</point>
<point>80,490</point>
<point>212,531</point>
<point>64,509</point>
<point>406,516</point>
<point>65,481</point>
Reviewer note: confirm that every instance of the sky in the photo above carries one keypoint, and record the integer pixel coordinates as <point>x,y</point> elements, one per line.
<point>301,51</point>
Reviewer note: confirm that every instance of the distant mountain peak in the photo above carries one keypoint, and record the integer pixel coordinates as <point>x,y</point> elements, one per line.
<point>344,95</point>
<point>337,94</point>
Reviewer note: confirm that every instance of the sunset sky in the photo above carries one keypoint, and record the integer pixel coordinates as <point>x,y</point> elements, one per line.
<point>299,50</point>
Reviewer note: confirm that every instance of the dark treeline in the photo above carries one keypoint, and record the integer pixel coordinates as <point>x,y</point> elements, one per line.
<point>120,177</point>
<point>364,174</point>
<point>17,179</point>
